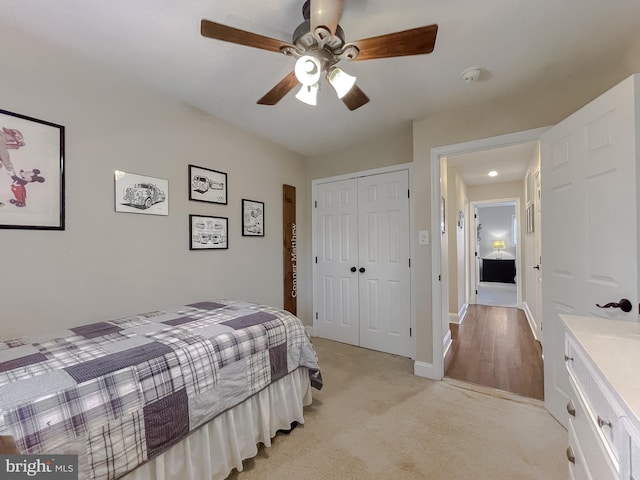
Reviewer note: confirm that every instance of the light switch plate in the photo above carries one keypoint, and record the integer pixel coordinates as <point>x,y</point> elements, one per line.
<point>423,237</point>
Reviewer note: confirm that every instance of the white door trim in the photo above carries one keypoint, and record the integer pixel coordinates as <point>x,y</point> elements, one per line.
<point>412,242</point>
<point>533,135</point>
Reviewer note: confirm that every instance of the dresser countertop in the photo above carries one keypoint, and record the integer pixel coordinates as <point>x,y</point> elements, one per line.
<point>614,346</point>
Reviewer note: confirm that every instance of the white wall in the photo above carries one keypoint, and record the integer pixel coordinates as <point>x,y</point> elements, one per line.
<point>108,264</point>
<point>496,224</point>
<point>457,200</point>
<point>531,289</point>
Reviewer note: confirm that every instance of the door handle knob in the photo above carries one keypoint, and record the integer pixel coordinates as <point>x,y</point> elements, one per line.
<point>623,304</point>
<point>537,267</point>
<point>353,269</point>
<point>362,270</point>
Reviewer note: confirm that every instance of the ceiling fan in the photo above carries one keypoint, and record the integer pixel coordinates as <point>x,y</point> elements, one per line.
<point>318,45</point>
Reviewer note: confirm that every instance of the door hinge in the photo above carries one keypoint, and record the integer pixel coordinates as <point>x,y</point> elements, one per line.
<point>475,253</point>
<point>410,331</point>
<point>316,204</point>
<point>408,193</point>
<point>316,259</point>
<point>476,292</point>
<point>409,263</point>
<point>316,315</point>
<point>439,278</point>
<point>475,216</point>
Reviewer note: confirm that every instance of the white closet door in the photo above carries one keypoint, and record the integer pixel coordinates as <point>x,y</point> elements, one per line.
<point>336,230</point>
<point>384,278</point>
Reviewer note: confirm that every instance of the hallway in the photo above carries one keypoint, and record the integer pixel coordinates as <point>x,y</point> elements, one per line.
<point>494,347</point>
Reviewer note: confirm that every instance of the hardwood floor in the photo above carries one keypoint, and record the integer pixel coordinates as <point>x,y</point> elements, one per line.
<point>494,347</point>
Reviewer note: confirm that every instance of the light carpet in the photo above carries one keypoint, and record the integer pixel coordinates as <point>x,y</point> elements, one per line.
<point>375,420</point>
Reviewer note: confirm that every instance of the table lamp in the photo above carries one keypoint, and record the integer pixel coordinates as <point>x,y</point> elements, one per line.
<point>498,245</point>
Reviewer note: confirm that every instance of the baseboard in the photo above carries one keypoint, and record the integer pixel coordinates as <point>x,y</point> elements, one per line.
<point>425,370</point>
<point>446,343</point>
<point>310,331</point>
<point>530,318</point>
<point>458,317</point>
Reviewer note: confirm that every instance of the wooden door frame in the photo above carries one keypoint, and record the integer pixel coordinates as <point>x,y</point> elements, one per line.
<point>439,279</point>
<point>412,244</point>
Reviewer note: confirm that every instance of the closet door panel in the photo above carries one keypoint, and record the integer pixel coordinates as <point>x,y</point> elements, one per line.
<point>383,208</point>
<point>336,230</point>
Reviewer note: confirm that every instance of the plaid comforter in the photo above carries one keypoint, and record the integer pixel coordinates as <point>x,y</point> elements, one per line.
<point>120,392</point>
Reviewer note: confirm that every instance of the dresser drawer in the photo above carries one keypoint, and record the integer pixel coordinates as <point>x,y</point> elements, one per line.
<point>577,467</point>
<point>598,458</point>
<point>597,403</point>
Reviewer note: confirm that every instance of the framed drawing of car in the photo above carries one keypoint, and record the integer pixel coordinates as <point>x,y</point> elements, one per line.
<point>206,185</point>
<point>208,233</point>
<point>141,194</point>
<point>252,218</point>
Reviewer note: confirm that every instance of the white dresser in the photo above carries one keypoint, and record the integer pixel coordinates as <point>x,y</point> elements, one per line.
<point>603,361</point>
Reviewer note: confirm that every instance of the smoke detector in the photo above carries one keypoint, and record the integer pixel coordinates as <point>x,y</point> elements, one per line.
<point>471,74</point>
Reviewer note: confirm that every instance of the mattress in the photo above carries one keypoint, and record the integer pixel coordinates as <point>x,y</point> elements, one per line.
<point>122,392</point>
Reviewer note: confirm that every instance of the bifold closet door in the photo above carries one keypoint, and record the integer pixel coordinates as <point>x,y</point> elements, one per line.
<point>384,272</point>
<point>336,230</point>
<point>362,268</point>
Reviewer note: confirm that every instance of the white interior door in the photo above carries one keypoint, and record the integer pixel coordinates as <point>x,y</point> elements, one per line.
<point>537,233</point>
<point>589,223</point>
<point>336,230</point>
<point>384,277</point>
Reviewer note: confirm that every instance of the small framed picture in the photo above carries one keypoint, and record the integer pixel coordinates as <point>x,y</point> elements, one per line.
<point>32,157</point>
<point>208,233</point>
<point>252,218</point>
<point>206,185</point>
<point>141,194</point>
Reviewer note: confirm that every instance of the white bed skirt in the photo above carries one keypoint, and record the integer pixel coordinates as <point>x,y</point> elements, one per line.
<point>214,449</point>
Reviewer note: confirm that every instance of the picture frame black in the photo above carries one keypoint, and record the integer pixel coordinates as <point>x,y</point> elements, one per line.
<point>140,194</point>
<point>207,232</point>
<point>207,185</point>
<point>32,151</point>
<point>252,218</point>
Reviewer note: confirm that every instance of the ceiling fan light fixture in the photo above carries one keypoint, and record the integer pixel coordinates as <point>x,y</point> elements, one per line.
<point>341,81</point>
<point>308,70</point>
<point>308,94</point>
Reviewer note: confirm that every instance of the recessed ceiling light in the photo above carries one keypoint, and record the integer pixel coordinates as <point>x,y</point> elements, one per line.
<point>493,173</point>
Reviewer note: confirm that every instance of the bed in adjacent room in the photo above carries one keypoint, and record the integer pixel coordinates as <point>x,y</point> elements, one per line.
<point>181,393</point>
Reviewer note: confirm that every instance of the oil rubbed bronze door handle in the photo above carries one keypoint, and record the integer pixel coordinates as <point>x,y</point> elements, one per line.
<point>624,305</point>
<point>570,455</point>
<point>362,269</point>
<point>537,267</point>
<point>571,409</point>
<point>353,269</point>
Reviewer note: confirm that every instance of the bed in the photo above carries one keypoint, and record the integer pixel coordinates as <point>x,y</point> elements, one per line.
<point>181,393</point>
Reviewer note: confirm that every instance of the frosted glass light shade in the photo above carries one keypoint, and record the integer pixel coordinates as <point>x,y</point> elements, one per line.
<point>342,82</point>
<point>308,94</point>
<point>308,70</point>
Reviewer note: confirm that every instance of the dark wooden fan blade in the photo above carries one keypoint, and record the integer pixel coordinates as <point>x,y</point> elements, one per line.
<point>278,92</point>
<point>326,13</point>
<point>241,37</point>
<point>416,41</point>
<point>355,98</point>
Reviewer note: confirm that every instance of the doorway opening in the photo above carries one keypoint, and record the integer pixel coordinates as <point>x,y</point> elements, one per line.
<point>498,256</point>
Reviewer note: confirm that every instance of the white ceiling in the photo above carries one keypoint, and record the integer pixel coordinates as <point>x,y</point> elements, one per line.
<point>522,45</point>
<point>510,162</point>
